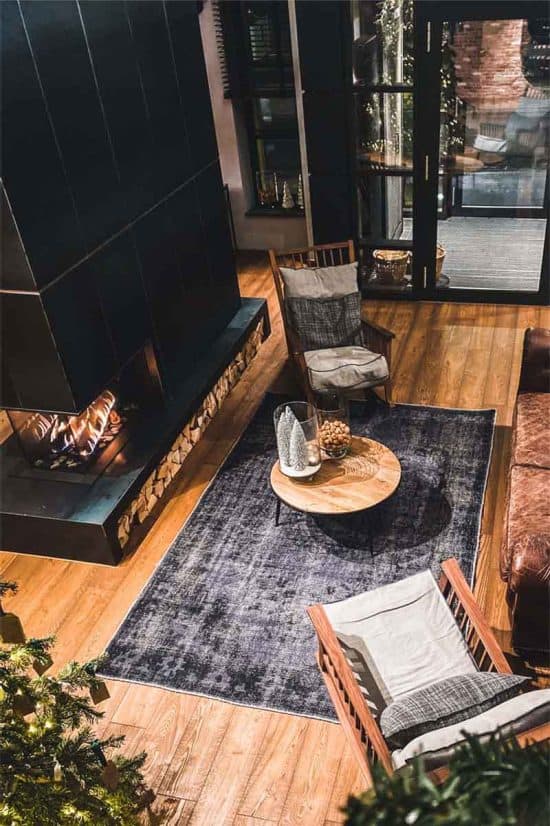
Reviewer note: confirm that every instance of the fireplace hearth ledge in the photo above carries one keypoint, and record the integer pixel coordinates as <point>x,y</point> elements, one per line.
<point>49,517</point>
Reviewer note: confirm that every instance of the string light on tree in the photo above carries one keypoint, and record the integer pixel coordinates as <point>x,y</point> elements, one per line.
<point>53,770</point>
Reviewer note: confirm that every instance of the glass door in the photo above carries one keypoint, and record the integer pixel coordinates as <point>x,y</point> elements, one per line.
<point>382,54</point>
<point>482,151</point>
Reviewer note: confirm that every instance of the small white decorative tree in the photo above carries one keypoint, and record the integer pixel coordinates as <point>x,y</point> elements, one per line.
<point>284,431</point>
<point>288,200</point>
<point>298,448</point>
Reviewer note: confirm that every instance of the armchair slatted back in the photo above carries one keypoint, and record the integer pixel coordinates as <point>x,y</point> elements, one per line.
<point>473,626</point>
<point>319,255</point>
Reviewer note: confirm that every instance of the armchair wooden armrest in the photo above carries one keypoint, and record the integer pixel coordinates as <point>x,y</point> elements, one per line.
<point>376,328</point>
<point>379,340</point>
<point>360,727</point>
<point>296,353</point>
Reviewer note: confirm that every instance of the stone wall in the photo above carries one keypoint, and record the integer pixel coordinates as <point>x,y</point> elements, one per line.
<point>170,465</point>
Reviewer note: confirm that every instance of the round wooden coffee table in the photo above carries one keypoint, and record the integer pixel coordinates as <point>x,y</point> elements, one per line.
<point>365,477</point>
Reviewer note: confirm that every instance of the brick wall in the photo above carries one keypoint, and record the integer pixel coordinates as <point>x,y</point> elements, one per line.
<point>488,64</point>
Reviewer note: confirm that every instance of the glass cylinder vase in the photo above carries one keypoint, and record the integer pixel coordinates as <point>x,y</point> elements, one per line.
<point>334,427</point>
<point>296,429</point>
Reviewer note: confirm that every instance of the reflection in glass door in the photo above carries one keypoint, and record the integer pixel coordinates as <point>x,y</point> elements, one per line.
<point>383,121</point>
<point>494,128</point>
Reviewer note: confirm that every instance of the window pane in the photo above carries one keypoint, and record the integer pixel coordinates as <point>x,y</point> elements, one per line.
<point>385,128</point>
<point>383,41</point>
<point>278,113</point>
<point>271,191</point>
<point>494,150</point>
<point>385,207</point>
<point>270,60</point>
<point>279,153</point>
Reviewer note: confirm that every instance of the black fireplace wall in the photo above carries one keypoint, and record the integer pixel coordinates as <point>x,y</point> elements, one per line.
<point>114,222</point>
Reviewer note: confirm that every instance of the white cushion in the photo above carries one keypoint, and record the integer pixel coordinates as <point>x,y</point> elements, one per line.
<point>342,368</point>
<point>485,144</point>
<point>513,716</point>
<point>399,638</point>
<point>320,282</point>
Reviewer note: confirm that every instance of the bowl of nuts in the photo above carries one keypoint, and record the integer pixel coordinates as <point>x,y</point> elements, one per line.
<point>334,432</point>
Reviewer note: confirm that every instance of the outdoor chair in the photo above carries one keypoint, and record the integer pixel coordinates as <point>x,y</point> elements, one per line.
<point>332,348</point>
<point>386,645</point>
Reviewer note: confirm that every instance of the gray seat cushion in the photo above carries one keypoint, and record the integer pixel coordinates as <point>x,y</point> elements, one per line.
<point>446,702</point>
<point>326,322</point>
<point>342,368</point>
<point>320,282</point>
<point>521,713</point>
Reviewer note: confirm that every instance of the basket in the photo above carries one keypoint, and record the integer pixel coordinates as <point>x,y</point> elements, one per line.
<point>439,259</point>
<point>390,265</point>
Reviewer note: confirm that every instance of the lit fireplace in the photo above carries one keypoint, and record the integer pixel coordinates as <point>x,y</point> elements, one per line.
<point>74,442</point>
<point>54,439</point>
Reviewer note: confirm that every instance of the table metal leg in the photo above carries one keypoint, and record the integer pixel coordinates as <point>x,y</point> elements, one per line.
<point>370,530</point>
<point>277,511</point>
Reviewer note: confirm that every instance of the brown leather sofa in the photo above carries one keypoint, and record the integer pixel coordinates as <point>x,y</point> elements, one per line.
<point>525,553</point>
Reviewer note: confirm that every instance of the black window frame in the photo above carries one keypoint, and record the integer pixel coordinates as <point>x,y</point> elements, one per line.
<point>243,88</point>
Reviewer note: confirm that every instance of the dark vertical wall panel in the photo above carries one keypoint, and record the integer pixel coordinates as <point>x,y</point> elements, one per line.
<point>122,297</point>
<point>61,53</point>
<point>32,169</point>
<point>111,166</point>
<point>32,358</point>
<point>119,82</point>
<point>81,334</point>
<point>193,82</point>
<point>165,106</point>
<point>321,43</point>
<point>15,271</point>
<point>216,230</point>
<point>163,282</point>
<point>323,32</point>
<point>190,243</point>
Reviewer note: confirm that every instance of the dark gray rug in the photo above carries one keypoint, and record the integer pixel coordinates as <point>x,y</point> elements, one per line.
<point>224,613</point>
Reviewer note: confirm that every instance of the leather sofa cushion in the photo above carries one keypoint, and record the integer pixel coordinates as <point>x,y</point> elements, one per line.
<point>535,362</point>
<point>530,562</point>
<point>531,443</point>
<point>528,514</point>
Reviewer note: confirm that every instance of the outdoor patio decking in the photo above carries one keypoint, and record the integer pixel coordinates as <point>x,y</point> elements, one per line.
<point>491,253</point>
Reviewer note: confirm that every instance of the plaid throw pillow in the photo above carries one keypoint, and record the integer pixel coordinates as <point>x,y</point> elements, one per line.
<point>445,703</point>
<point>326,322</point>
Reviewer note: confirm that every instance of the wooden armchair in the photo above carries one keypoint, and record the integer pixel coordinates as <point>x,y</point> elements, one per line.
<point>358,721</point>
<point>375,338</point>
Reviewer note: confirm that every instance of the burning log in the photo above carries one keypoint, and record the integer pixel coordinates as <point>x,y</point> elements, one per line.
<point>52,434</point>
<point>88,428</point>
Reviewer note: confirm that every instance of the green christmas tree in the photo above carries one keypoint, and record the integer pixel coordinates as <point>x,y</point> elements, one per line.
<point>491,783</point>
<point>54,771</point>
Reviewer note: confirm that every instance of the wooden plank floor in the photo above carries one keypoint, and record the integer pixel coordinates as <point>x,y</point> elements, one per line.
<point>210,762</point>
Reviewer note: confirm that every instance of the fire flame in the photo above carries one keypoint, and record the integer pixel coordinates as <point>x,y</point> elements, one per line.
<point>55,433</point>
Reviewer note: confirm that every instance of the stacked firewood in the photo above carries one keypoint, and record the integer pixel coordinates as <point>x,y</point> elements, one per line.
<point>157,483</point>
